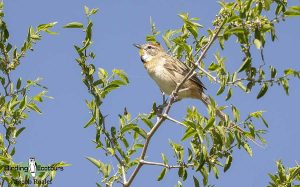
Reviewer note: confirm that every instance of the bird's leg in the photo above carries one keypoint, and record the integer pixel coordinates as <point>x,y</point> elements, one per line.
<point>164,104</point>
<point>164,97</point>
<point>176,98</point>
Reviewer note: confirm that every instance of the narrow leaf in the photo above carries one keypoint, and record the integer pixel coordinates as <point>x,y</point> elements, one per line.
<point>228,163</point>
<point>262,91</point>
<point>94,161</point>
<point>74,25</point>
<point>162,174</point>
<point>196,182</point>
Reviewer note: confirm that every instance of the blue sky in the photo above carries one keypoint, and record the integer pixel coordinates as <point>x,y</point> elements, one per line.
<point>58,134</point>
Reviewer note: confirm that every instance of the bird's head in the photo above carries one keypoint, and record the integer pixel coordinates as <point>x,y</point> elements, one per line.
<point>150,50</point>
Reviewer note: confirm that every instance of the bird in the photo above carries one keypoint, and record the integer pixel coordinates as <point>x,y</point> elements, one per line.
<point>167,71</point>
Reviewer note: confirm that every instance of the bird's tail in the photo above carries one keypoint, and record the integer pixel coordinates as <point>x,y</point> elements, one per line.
<point>206,100</point>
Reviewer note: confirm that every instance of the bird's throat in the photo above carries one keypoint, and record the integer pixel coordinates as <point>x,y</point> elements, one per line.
<point>142,59</point>
<point>146,58</point>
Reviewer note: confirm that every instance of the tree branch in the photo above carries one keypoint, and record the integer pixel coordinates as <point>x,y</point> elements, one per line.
<point>174,120</point>
<point>164,165</point>
<point>124,175</point>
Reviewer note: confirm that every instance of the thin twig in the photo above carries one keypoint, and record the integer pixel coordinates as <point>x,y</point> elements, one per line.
<point>174,120</point>
<point>258,81</point>
<point>164,165</point>
<point>207,73</point>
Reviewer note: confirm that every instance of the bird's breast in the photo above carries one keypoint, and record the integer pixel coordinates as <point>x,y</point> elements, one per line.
<point>161,76</point>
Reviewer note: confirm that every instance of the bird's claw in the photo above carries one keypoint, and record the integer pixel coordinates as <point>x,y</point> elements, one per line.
<point>175,97</point>
<point>160,108</point>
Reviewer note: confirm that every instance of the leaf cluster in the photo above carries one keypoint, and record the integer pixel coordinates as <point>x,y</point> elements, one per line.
<point>285,177</point>
<point>16,98</point>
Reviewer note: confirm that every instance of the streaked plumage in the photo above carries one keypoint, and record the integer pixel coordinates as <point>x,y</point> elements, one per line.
<point>167,71</point>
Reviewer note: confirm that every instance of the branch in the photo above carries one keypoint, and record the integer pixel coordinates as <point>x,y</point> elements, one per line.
<point>273,80</point>
<point>174,120</point>
<point>207,73</point>
<point>164,165</point>
<point>162,118</point>
<point>124,175</point>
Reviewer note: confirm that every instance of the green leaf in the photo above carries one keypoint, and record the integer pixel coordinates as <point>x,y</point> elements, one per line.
<point>19,131</point>
<point>257,43</point>
<point>86,10</point>
<point>92,120</point>
<point>125,142</point>
<point>257,114</point>
<point>245,65</point>
<point>228,163</point>
<point>153,28</point>
<point>138,146</point>
<point>46,27</point>
<point>74,25</point>
<point>89,31</point>
<point>234,30</point>
<point>121,74</point>
<point>210,123</point>
<point>19,82</point>
<point>111,150</point>
<point>289,71</point>
<point>213,67</point>
<point>8,48</point>
<point>91,69</point>
<point>96,162</point>
<point>265,122</point>
<point>285,85</point>
<point>248,149</point>
<point>204,173</point>
<point>135,128</point>
<point>189,133</point>
<point>148,122</point>
<point>162,174</point>
<point>262,91</point>
<point>221,90</point>
<point>13,151</point>
<point>23,102</point>
<point>229,94</point>
<point>236,113</point>
<point>93,11</point>
<point>273,72</point>
<point>164,158</point>
<point>293,11</point>
<point>150,38</point>
<point>196,182</point>
<point>128,128</point>
<point>240,84</point>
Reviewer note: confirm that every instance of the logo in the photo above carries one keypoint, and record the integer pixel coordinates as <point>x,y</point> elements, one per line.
<point>32,166</point>
<point>33,172</point>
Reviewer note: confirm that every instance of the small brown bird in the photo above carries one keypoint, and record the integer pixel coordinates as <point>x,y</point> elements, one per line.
<point>167,72</point>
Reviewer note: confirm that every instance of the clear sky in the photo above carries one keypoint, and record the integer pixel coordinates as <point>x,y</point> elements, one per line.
<point>58,134</point>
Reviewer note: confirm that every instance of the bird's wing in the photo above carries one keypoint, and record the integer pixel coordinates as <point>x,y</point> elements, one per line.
<point>182,69</point>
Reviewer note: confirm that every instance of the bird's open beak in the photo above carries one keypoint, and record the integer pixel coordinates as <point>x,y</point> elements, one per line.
<point>137,46</point>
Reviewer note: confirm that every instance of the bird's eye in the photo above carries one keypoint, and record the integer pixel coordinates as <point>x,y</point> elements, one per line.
<point>149,47</point>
